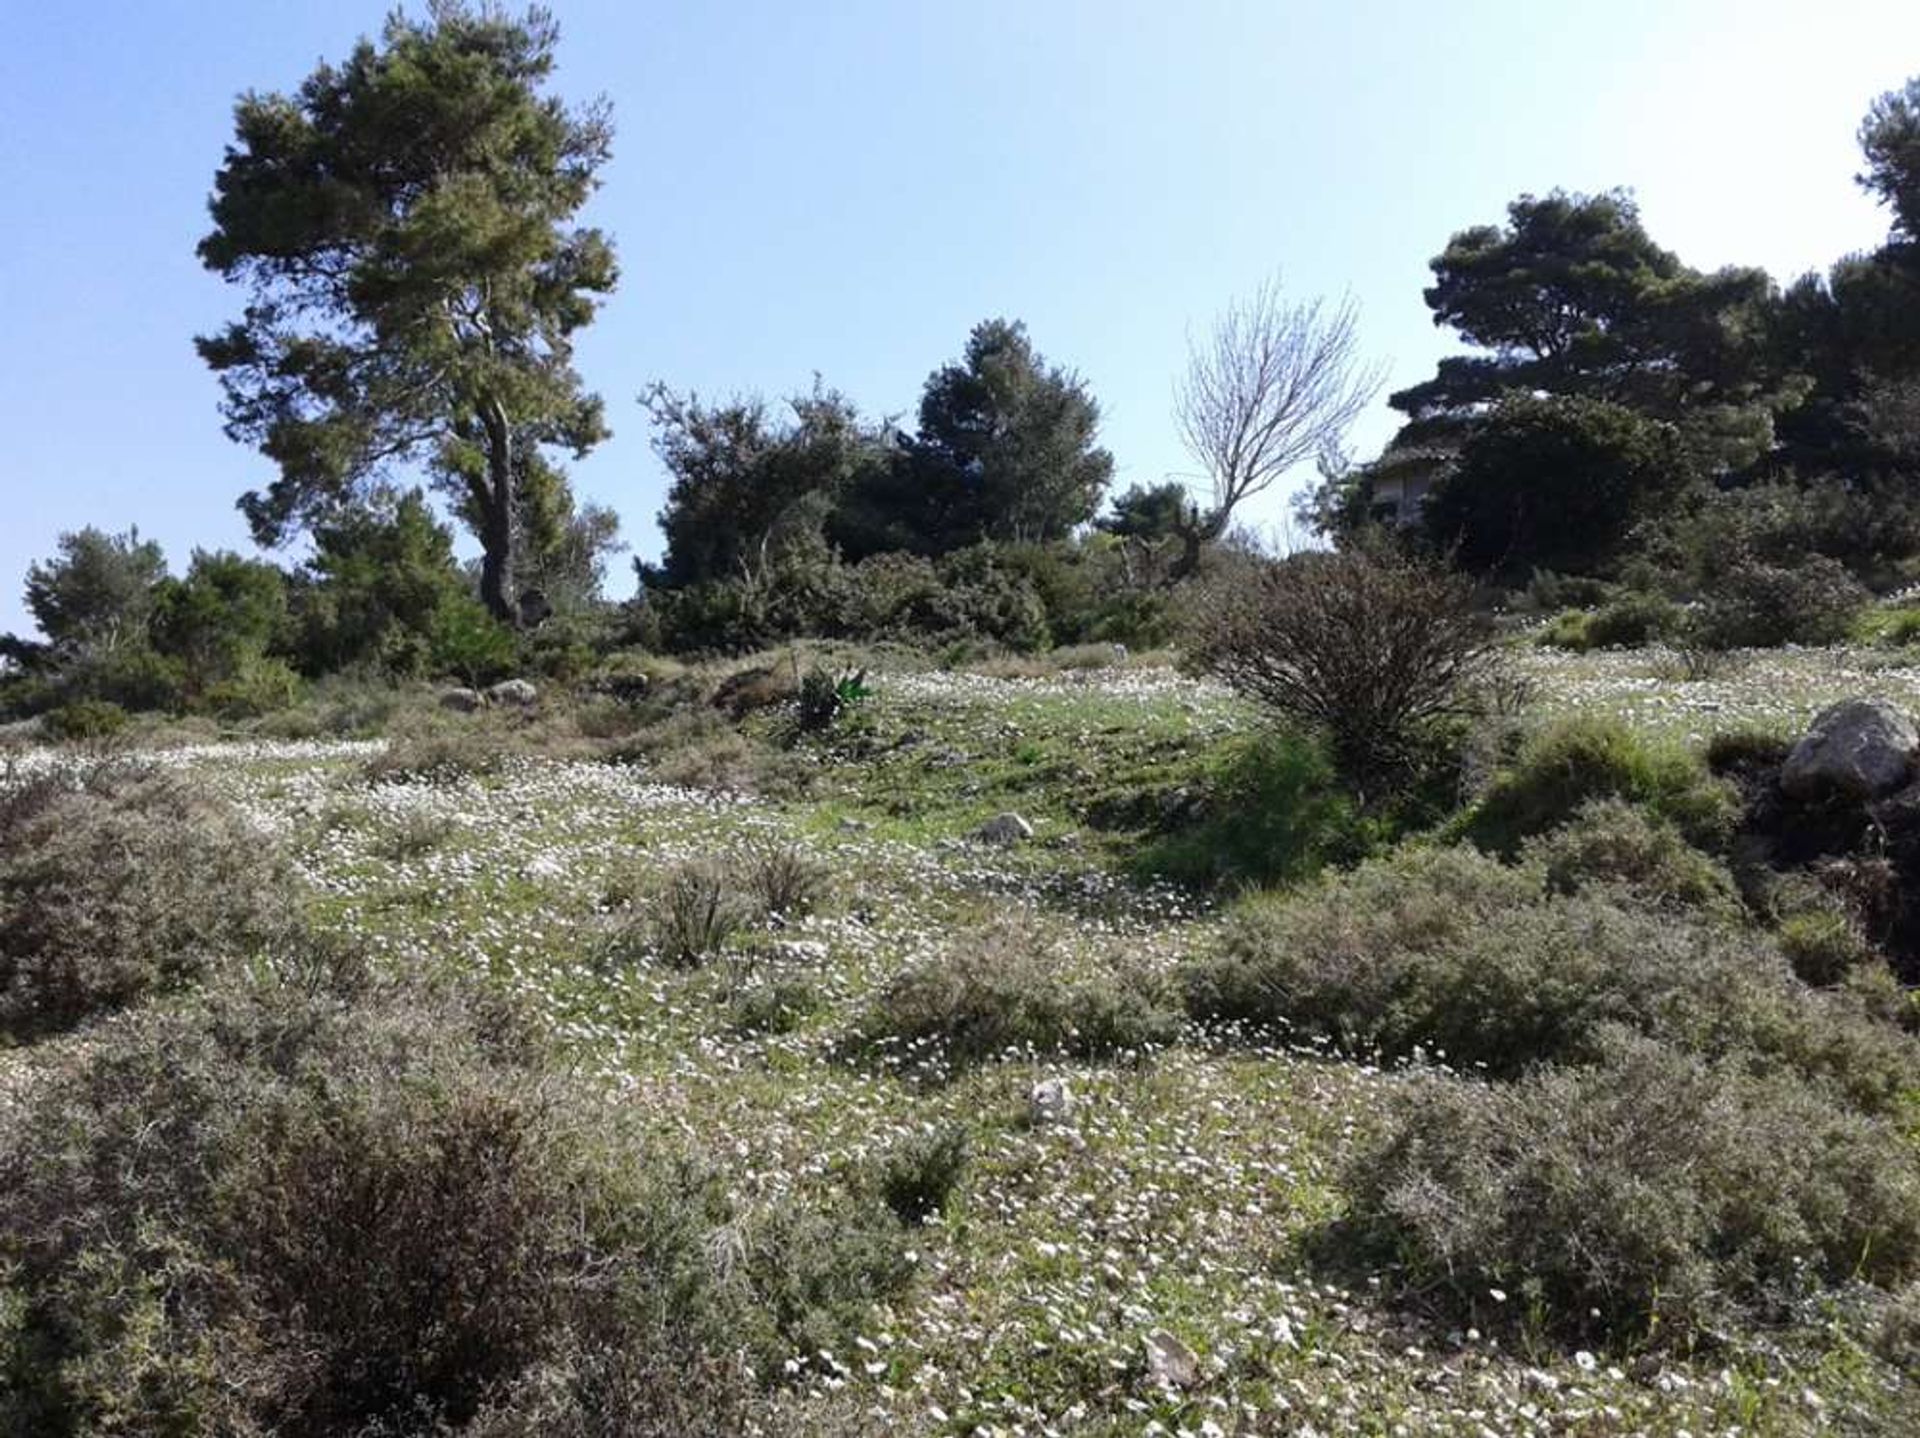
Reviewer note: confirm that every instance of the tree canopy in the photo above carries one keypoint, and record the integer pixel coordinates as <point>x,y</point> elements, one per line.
<point>403,224</point>
<point>1006,447</point>
<point>1572,297</point>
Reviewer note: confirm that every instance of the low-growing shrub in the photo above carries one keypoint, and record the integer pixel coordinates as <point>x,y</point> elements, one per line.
<point>439,758</point>
<point>1370,647</point>
<point>1632,620</point>
<point>696,912</point>
<point>1563,767</point>
<point>1742,752</point>
<point>1651,1197</point>
<point>777,1007</point>
<point>119,883</point>
<point>1571,629</point>
<point>1273,812</point>
<point>378,1217</point>
<point>1610,845</point>
<point>1755,604</point>
<point>1456,955</point>
<point>1004,989</point>
<point>786,882</point>
<point>919,1174</point>
<point>83,719</point>
<point>1823,945</point>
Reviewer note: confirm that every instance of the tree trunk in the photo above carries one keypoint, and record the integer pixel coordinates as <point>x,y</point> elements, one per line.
<point>497,581</point>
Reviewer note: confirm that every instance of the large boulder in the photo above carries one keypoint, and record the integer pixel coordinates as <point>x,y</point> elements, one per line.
<point>517,692</point>
<point>1860,749</point>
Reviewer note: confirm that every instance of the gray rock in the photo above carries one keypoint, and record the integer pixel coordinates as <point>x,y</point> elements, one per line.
<point>1170,1363</point>
<point>1861,749</point>
<point>516,692</point>
<point>1004,830</point>
<point>462,701</point>
<point>1050,1101</point>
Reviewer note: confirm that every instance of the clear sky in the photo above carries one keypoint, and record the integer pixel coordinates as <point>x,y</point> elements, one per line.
<point>848,186</point>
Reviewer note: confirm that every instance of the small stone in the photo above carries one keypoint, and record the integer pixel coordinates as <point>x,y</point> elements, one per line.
<point>517,692</point>
<point>1170,1363</point>
<point>1004,830</point>
<point>462,701</point>
<point>1051,1101</point>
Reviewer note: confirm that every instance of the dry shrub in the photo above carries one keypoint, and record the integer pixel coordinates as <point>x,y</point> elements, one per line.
<point>1651,1197</point>
<point>1454,954</point>
<point>695,913</point>
<point>697,749</point>
<point>785,881</point>
<point>1003,990</point>
<point>1373,648</point>
<point>117,883</point>
<point>442,757</point>
<point>277,1213</point>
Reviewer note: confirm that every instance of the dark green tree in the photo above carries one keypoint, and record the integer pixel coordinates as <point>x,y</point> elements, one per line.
<point>96,596</point>
<point>745,483</point>
<point>1890,141</point>
<point>1151,513</point>
<point>1572,297</point>
<point>380,575</point>
<point>404,224</point>
<point>1006,445</point>
<point>1555,483</point>
<point>222,616</point>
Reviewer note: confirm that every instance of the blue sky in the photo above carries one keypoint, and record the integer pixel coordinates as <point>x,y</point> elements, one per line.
<point>847,187</point>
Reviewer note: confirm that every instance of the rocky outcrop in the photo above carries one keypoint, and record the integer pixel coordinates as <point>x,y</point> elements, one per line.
<point>1862,749</point>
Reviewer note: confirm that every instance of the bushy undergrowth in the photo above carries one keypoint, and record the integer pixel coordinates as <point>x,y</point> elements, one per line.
<point>1274,812</point>
<point>1609,845</point>
<point>1006,989</point>
<point>439,757</point>
<point>1451,953</point>
<point>1570,763</point>
<point>118,883</point>
<point>1650,1198</point>
<point>278,1212</point>
<point>918,1175</point>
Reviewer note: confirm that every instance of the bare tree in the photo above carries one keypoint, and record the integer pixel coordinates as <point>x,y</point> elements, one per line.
<point>1275,383</point>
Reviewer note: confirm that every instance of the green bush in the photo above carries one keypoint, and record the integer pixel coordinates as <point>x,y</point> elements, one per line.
<point>1563,767</point>
<point>1451,953</point>
<point>258,686</point>
<point>1004,990</point>
<point>117,884</point>
<point>778,1007</point>
<point>1632,620</point>
<point>1571,629</point>
<point>1755,605</point>
<point>918,1175</point>
<point>439,758</point>
<point>1274,812</point>
<point>1746,751</point>
<point>83,719</point>
<point>1610,845</point>
<point>1823,946</point>
<point>328,1218</point>
<point>1652,1197</point>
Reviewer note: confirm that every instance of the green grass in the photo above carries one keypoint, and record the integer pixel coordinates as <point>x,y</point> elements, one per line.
<point>1182,1194</point>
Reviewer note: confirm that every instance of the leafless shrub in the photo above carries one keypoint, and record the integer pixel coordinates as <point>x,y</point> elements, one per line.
<point>1373,648</point>
<point>787,882</point>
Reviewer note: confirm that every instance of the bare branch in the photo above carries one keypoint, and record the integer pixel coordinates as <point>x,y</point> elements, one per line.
<point>1275,383</point>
